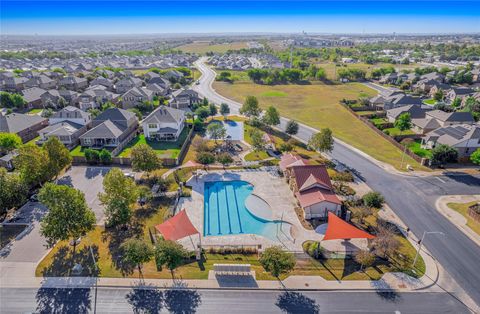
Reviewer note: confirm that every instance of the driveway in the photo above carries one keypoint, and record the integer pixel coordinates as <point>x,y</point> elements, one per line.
<point>89,180</point>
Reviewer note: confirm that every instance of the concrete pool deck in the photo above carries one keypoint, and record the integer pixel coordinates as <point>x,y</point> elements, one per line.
<point>274,191</point>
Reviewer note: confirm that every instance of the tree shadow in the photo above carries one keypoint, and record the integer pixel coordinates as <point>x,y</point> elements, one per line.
<point>182,301</point>
<point>115,238</point>
<point>385,291</point>
<point>63,261</point>
<point>63,300</point>
<point>295,302</point>
<point>145,299</point>
<point>462,177</point>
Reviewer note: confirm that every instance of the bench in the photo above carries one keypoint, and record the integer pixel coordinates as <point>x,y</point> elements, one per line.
<point>232,269</point>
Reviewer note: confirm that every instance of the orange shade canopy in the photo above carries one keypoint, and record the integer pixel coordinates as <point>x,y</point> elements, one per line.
<point>337,228</point>
<point>191,163</point>
<point>177,227</point>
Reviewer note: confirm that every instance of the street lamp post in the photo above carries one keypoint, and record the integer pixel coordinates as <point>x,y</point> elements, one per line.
<point>96,280</point>
<point>421,243</point>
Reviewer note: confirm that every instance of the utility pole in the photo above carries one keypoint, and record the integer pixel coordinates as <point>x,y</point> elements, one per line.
<point>403,155</point>
<point>96,280</point>
<point>421,242</point>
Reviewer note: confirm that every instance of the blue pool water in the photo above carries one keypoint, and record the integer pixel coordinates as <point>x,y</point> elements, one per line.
<point>226,214</point>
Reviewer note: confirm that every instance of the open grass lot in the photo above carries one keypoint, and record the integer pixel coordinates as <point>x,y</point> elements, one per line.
<point>332,68</point>
<point>202,47</point>
<point>462,208</point>
<point>317,105</point>
<point>164,149</point>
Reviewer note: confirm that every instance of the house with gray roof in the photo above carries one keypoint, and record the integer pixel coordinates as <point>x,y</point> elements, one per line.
<point>33,97</point>
<point>73,83</point>
<point>41,81</point>
<point>67,132</point>
<point>24,125</point>
<point>95,96</point>
<point>113,128</point>
<point>458,92</point>
<point>71,114</point>
<point>435,119</point>
<point>416,112</point>
<point>164,124</point>
<point>127,83</point>
<point>184,99</point>
<point>465,138</point>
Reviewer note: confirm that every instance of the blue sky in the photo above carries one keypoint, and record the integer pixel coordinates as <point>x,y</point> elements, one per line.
<point>131,17</point>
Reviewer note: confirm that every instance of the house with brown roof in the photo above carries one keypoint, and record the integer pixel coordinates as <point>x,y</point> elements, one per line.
<point>287,161</point>
<point>314,191</point>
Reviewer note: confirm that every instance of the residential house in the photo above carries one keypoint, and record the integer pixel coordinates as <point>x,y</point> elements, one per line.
<point>416,112</point>
<point>435,119</point>
<point>389,78</point>
<point>24,125</point>
<point>157,90</point>
<point>33,97</point>
<point>184,98</point>
<point>433,76</point>
<point>164,124</point>
<point>439,86</point>
<point>135,97</point>
<point>73,83</point>
<point>399,99</point>
<point>41,81</point>
<point>314,191</point>
<point>160,81</point>
<point>465,138</point>
<point>71,114</point>
<point>14,84</point>
<point>127,83</point>
<point>67,132</point>
<point>289,160</point>
<point>458,92</point>
<point>174,75</point>
<point>425,86</point>
<point>95,96</point>
<point>113,128</point>
<point>103,82</point>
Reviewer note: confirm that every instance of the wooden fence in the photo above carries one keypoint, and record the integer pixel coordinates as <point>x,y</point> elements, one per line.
<point>422,161</point>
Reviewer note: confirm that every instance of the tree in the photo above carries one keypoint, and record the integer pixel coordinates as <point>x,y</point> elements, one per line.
<point>276,261</point>
<point>365,258</point>
<point>291,128</point>
<point>438,96</point>
<point>475,157</point>
<point>457,102</point>
<point>373,199</point>
<point>136,252</point>
<point>144,158</point>
<point>9,142</point>
<point>403,122</point>
<point>361,213</point>
<point>224,110</point>
<point>385,243</point>
<point>205,158</point>
<point>105,156</point>
<point>271,116</point>
<point>212,109</point>
<point>13,191</point>
<point>250,107</point>
<point>32,163</point>
<point>169,253</point>
<point>322,141</point>
<point>119,196</point>
<point>224,159</point>
<point>18,101</point>
<point>258,143</point>
<point>58,156</point>
<point>443,154</point>
<point>216,131</point>
<point>202,112</point>
<point>92,155</point>
<point>68,217</point>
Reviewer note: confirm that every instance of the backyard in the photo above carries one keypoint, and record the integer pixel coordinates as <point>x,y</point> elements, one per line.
<point>317,105</point>
<point>165,149</point>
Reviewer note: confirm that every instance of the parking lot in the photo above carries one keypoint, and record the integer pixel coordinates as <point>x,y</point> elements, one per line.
<point>89,180</point>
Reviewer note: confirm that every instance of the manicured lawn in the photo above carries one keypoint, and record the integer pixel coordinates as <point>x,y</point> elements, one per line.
<point>395,131</point>
<point>430,102</point>
<point>202,47</point>
<point>255,156</point>
<point>462,208</point>
<point>416,148</point>
<point>317,105</point>
<point>33,141</point>
<point>164,149</point>
<point>77,151</point>
<point>34,111</point>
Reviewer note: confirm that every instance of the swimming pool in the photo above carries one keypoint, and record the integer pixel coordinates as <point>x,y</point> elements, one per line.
<point>234,129</point>
<point>225,212</point>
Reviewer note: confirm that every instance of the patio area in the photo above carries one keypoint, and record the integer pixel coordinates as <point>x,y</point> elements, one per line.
<point>275,195</point>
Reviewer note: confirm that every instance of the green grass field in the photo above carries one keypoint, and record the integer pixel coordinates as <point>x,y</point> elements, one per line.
<point>317,105</point>
<point>202,47</point>
<point>416,148</point>
<point>462,208</point>
<point>331,69</point>
<point>163,149</point>
<point>34,111</point>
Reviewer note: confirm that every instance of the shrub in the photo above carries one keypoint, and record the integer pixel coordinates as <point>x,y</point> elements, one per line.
<point>373,199</point>
<point>443,154</point>
<point>205,158</point>
<point>105,156</point>
<point>92,155</point>
<point>198,125</point>
<point>344,176</point>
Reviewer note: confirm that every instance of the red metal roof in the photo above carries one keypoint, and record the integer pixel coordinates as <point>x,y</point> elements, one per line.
<point>315,196</point>
<point>177,227</point>
<point>287,160</point>
<point>340,229</point>
<point>312,173</point>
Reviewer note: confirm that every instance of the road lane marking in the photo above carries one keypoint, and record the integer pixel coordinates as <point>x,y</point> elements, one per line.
<point>440,180</point>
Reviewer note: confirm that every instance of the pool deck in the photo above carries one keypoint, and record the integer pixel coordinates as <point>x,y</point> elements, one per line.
<point>275,191</point>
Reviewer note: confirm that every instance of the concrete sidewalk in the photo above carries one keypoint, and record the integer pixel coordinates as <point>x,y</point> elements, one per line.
<point>456,218</point>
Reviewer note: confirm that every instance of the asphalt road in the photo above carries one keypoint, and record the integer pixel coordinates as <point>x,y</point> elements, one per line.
<point>412,199</point>
<point>127,300</point>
